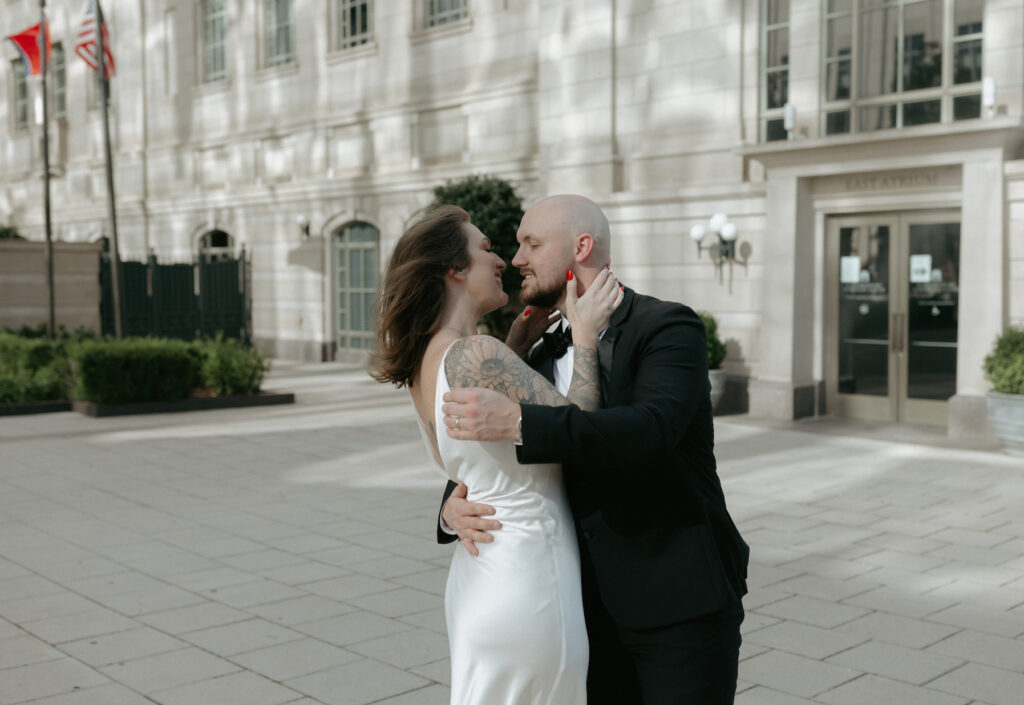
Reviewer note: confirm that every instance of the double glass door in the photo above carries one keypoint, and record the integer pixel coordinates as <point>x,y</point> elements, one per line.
<point>894,293</point>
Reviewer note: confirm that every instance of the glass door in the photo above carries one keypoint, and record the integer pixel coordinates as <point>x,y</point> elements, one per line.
<point>894,287</point>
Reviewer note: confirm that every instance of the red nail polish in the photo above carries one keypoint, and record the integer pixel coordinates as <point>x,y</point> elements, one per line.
<point>621,288</point>
<point>526,313</point>
<point>570,275</point>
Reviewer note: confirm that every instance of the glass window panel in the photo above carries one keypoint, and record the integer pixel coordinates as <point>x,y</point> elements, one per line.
<point>837,123</point>
<point>20,94</point>
<point>840,37</point>
<point>368,313</point>
<point>370,269</point>
<point>362,232</point>
<point>59,82</point>
<point>778,48</point>
<point>774,130</point>
<point>967,17</point>
<point>967,61</point>
<point>932,312</point>
<point>777,89</point>
<point>864,311</point>
<point>966,107</point>
<point>838,6</point>
<point>922,45</point>
<point>357,270</point>
<point>922,113</point>
<point>356,311</point>
<point>876,117</point>
<point>778,11</point>
<point>879,34</point>
<point>837,80</point>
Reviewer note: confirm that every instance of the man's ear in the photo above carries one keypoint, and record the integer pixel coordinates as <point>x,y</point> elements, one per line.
<point>584,246</point>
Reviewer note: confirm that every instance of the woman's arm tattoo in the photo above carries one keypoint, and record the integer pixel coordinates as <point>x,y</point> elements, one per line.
<point>585,389</point>
<point>483,361</point>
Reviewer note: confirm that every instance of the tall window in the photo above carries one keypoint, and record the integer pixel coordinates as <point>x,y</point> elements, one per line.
<point>215,20</point>
<point>58,78</point>
<point>356,271</point>
<point>94,89</point>
<point>19,83</point>
<point>898,63</point>
<point>441,12</point>
<point>353,23</point>
<point>774,68</point>
<point>278,33</point>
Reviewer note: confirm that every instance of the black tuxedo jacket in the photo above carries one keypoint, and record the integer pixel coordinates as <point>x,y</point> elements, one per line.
<point>640,472</point>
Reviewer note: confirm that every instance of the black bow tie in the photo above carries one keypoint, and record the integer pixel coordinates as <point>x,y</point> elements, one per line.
<point>559,341</point>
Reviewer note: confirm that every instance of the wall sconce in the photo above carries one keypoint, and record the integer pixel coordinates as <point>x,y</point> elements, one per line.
<point>725,248</point>
<point>303,223</point>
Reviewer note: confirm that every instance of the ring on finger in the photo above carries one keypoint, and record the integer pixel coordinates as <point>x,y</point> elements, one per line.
<point>458,423</point>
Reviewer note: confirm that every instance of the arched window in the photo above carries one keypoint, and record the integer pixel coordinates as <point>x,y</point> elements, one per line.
<point>356,277</point>
<point>217,245</point>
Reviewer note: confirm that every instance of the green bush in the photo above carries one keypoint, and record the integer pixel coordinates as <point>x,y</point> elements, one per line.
<point>133,369</point>
<point>231,367</point>
<point>1004,366</point>
<point>31,369</point>
<point>495,208</point>
<point>716,348</point>
<point>8,232</point>
<point>19,354</point>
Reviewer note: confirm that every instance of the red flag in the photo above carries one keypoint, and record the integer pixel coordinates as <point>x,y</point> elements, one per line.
<point>28,45</point>
<point>87,41</point>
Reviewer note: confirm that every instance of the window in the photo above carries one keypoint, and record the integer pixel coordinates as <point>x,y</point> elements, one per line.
<point>356,272</point>
<point>353,23</point>
<point>884,63</point>
<point>216,246</point>
<point>19,83</point>
<point>94,89</point>
<point>774,68</point>
<point>441,12</point>
<point>58,83</point>
<point>278,39</point>
<point>215,20</point>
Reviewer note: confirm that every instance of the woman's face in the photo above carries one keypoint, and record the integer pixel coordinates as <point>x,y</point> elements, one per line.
<point>483,275</point>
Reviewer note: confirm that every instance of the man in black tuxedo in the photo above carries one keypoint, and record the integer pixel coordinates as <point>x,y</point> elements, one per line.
<point>663,565</point>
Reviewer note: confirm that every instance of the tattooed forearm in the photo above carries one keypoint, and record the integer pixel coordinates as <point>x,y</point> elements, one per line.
<point>483,361</point>
<point>585,388</point>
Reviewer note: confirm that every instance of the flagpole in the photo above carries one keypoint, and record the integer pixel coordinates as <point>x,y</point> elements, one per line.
<point>115,256</point>
<point>52,320</point>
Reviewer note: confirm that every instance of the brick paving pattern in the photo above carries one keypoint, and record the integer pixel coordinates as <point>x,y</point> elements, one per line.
<point>285,555</point>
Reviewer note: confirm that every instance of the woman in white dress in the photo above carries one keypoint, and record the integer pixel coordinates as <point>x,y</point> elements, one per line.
<point>514,611</point>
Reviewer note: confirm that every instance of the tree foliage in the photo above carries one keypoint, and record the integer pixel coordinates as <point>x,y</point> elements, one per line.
<point>8,232</point>
<point>495,208</point>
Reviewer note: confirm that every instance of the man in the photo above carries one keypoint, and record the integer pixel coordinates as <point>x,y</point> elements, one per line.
<point>663,565</point>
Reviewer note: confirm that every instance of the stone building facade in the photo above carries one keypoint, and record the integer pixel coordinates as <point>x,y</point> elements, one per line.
<point>865,153</point>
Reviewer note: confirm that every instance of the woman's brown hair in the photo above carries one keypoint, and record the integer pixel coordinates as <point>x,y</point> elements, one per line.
<point>412,296</point>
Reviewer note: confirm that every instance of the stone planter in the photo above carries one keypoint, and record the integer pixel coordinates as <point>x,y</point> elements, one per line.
<point>717,378</point>
<point>191,404</point>
<point>1006,414</point>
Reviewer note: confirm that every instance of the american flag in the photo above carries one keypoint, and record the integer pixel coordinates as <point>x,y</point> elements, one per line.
<point>85,46</point>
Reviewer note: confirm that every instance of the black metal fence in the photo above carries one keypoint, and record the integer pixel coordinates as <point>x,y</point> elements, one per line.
<point>185,301</point>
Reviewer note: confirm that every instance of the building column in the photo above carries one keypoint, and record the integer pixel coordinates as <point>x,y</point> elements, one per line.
<point>782,385</point>
<point>983,291</point>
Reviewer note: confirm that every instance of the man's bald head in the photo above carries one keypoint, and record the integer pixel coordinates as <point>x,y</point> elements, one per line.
<point>576,215</point>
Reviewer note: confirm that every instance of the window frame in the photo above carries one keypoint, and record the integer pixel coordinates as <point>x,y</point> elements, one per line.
<point>946,92</point>
<point>20,104</point>
<point>268,35</point>
<point>206,76</point>
<point>768,115</point>
<point>448,18</point>
<point>59,82</point>
<point>337,18</point>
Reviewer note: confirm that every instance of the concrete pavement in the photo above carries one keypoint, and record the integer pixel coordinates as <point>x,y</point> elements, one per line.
<point>285,555</point>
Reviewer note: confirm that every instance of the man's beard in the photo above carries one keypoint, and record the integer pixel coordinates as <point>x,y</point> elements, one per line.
<point>544,298</point>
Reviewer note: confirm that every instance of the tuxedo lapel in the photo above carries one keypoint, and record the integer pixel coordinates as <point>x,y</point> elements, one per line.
<point>541,361</point>
<point>606,346</point>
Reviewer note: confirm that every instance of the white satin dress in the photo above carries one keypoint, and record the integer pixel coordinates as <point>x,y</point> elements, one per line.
<point>515,612</point>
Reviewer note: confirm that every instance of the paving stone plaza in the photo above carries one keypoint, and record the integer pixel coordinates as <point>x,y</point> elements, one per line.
<point>286,555</point>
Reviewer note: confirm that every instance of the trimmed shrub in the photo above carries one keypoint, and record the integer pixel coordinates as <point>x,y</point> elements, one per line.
<point>231,367</point>
<point>133,369</point>
<point>1004,366</point>
<point>716,348</point>
<point>31,369</point>
<point>9,232</point>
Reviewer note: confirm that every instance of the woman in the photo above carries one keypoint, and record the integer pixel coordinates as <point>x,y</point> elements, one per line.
<point>514,612</point>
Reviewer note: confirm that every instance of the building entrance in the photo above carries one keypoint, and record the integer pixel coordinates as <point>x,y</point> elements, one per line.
<point>891,342</point>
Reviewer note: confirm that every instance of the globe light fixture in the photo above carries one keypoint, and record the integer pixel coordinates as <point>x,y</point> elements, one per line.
<point>725,247</point>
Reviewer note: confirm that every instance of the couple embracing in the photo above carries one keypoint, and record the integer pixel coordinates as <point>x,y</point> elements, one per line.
<point>600,562</point>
